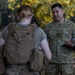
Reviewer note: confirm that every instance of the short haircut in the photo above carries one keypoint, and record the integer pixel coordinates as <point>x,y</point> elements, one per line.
<point>56,5</point>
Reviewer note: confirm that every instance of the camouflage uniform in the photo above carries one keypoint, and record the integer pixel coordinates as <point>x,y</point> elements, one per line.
<point>19,70</point>
<point>62,57</point>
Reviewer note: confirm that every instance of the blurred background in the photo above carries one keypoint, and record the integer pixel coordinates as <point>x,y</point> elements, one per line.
<point>42,11</point>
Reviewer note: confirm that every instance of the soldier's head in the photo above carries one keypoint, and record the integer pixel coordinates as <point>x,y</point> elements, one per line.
<point>57,12</point>
<point>25,12</point>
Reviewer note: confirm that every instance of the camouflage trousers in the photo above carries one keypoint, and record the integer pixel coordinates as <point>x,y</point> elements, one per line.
<point>60,69</point>
<point>19,70</point>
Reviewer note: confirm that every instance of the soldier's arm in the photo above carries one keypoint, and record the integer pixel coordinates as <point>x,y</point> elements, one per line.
<point>2,64</point>
<point>73,37</point>
<point>2,42</point>
<point>71,43</point>
<point>45,45</point>
<point>46,49</point>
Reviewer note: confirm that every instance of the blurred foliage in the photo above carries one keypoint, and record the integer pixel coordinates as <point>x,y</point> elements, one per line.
<point>42,8</point>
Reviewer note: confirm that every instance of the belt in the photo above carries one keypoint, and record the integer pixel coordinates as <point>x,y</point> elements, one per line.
<point>18,67</point>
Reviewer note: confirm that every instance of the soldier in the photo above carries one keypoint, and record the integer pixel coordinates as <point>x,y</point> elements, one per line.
<point>20,40</point>
<point>60,33</point>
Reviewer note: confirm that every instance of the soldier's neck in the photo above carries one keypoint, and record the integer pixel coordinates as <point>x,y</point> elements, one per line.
<point>61,21</point>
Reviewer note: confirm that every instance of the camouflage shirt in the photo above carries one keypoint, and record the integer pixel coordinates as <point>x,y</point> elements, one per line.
<point>57,34</point>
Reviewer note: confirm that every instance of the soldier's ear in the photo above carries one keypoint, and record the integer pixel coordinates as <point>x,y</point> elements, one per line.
<point>18,17</point>
<point>63,11</point>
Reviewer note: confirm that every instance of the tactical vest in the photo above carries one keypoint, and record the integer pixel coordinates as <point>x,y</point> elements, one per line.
<point>19,44</point>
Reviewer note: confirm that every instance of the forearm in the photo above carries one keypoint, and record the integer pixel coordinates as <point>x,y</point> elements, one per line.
<point>46,49</point>
<point>2,64</point>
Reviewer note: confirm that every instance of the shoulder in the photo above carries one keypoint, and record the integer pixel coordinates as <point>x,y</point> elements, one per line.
<point>69,22</point>
<point>5,29</point>
<point>48,26</point>
<point>4,32</point>
<point>39,30</point>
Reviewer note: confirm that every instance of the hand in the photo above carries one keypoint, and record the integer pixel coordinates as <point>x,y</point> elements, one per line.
<point>69,43</point>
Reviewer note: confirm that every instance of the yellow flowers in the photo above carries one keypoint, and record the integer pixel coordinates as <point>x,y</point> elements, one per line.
<point>11,4</point>
<point>10,7</point>
<point>42,8</point>
<point>71,14</point>
<point>18,5</point>
<point>10,0</point>
<point>73,9</point>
